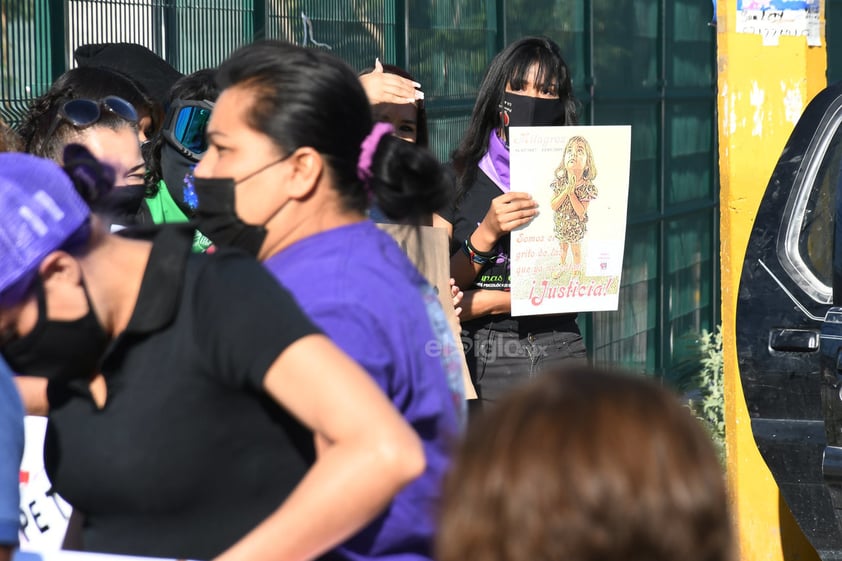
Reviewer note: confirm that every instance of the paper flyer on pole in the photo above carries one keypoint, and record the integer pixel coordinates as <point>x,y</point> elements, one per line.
<point>780,18</point>
<point>570,257</point>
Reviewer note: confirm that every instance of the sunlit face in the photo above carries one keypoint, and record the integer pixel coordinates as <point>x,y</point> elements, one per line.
<point>402,116</point>
<point>119,149</point>
<point>531,89</point>
<point>235,150</point>
<point>576,157</point>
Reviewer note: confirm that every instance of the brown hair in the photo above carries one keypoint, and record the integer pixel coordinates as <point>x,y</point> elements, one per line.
<point>9,139</point>
<point>586,465</point>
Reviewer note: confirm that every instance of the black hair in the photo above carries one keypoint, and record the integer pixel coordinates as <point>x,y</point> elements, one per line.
<point>78,83</point>
<point>511,66</point>
<point>308,97</point>
<point>422,134</point>
<point>198,86</point>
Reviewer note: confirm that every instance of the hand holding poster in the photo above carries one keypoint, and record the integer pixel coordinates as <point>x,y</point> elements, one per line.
<point>569,258</point>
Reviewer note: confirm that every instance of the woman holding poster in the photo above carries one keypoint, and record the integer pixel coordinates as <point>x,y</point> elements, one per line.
<point>573,190</point>
<point>527,84</point>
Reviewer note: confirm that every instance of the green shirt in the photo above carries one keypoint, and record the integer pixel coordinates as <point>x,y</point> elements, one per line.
<point>164,210</point>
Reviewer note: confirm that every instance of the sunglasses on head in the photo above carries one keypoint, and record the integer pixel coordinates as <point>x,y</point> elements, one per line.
<point>82,113</point>
<point>185,126</point>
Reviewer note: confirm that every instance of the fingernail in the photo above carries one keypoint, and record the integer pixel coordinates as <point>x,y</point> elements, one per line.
<point>416,84</point>
<point>419,95</point>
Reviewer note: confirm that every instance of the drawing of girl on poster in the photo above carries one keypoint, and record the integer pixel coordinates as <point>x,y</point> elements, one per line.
<point>573,190</point>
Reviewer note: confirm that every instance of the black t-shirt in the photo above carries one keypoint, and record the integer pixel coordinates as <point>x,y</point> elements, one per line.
<point>189,453</point>
<point>465,215</point>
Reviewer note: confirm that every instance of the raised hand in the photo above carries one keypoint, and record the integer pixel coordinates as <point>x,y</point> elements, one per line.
<point>383,87</point>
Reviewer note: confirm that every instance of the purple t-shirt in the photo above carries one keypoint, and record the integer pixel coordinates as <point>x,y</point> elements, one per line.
<point>356,284</point>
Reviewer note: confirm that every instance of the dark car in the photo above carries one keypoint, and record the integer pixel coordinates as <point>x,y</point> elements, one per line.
<point>789,323</point>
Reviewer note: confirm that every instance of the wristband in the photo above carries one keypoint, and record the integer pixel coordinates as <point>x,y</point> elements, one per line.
<point>476,256</point>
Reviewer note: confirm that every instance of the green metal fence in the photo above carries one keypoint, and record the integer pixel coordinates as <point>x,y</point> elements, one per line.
<point>648,63</point>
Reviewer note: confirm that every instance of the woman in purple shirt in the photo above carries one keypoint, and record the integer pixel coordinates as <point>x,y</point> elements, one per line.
<point>293,163</point>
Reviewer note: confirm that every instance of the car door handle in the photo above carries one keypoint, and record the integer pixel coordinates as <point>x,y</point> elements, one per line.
<point>794,340</point>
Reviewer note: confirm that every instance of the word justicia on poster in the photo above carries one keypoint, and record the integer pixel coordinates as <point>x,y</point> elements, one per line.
<point>570,256</point>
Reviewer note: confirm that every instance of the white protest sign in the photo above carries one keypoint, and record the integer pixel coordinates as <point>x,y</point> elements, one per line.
<point>74,556</point>
<point>570,257</point>
<point>43,514</point>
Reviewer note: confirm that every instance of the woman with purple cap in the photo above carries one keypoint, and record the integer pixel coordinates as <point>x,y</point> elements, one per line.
<point>294,160</point>
<point>181,421</point>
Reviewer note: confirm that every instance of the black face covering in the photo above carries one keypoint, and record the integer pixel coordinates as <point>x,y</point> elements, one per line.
<point>525,111</point>
<point>217,216</point>
<point>59,350</point>
<point>121,205</point>
<point>174,168</point>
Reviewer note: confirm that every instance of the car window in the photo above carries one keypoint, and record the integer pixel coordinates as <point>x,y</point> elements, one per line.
<point>806,245</point>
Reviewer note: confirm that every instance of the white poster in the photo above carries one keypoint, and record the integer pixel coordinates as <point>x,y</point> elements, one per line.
<point>780,18</point>
<point>43,514</point>
<point>76,556</point>
<point>570,257</point>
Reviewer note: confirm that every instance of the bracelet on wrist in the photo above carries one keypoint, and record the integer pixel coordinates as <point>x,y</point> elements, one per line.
<point>476,256</point>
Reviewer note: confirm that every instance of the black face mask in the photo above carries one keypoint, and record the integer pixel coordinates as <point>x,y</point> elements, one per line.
<point>217,216</point>
<point>525,111</point>
<point>121,205</point>
<point>59,350</point>
<point>175,167</point>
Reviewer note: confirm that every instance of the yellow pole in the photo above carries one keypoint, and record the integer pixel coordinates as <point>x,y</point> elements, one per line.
<point>762,89</point>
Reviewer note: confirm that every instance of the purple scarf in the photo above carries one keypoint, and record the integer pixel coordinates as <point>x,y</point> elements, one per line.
<point>495,163</point>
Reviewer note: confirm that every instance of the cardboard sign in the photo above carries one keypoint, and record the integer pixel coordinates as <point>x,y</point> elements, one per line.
<point>570,256</point>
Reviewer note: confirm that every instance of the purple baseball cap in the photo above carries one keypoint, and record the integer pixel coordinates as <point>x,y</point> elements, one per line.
<point>40,210</point>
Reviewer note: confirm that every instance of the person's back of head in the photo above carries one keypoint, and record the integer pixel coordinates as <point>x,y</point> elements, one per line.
<point>586,465</point>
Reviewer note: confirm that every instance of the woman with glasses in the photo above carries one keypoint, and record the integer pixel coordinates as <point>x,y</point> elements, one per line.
<point>91,107</point>
<point>181,421</point>
<point>294,161</point>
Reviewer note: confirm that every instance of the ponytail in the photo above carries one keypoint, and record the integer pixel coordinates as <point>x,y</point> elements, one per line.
<point>408,182</point>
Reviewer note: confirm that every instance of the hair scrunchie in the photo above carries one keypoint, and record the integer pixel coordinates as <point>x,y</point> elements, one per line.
<point>369,147</point>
